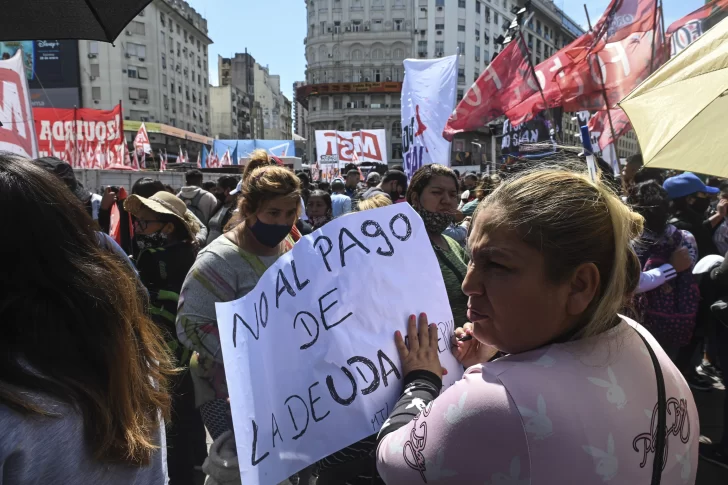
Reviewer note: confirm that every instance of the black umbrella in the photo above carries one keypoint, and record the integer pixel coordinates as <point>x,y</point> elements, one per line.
<point>67,19</point>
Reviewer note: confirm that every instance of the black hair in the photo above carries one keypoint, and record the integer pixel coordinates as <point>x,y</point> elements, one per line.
<point>193,177</point>
<point>398,168</point>
<point>400,177</point>
<point>228,182</point>
<point>303,178</point>
<point>325,186</point>
<point>208,186</point>
<point>324,195</point>
<point>650,201</point>
<point>724,187</point>
<point>147,187</point>
<point>352,172</point>
<point>422,177</point>
<point>645,174</point>
<point>635,159</point>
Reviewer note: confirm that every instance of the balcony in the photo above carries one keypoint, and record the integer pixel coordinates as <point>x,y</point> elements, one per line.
<point>338,114</point>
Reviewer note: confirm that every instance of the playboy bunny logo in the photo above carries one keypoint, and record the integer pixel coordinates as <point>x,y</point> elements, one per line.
<point>687,467</point>
<point>615,393</point>
<point>538,424</point>
<point>455,413</point>
<point>513,478</point>
<point>607,464</point>
<point>437,471</point>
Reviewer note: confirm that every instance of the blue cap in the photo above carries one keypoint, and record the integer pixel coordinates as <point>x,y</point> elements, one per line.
<point>686,184</point>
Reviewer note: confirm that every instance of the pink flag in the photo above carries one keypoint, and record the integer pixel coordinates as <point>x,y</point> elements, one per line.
<point>199,160</point>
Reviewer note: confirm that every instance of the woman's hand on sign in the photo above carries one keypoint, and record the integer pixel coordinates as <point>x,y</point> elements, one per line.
<point>470,352</point>
<point>421,350</point>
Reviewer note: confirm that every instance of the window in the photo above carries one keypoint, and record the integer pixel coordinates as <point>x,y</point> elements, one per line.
<point>422,48</point>
<point>477,6</point>
<point>439,48</point>
<point>95,71</point>
<point>461,75</point>
<point>356,25</point>
<point>461,48</point>
<point>136,50</point>
<point>164,79</point>
<point>461,3</point>
<point>496,18</point>
<point>131,72</point>
<point>179,89</point>
<point>477,34</point>
<point>142,73</point>
<point>397,129</point>
<point>96,93</point>
<point>198,45</point>
<point>93,47</point>
<point>476,75</point>
<point>184,32</point>
<point>356,55</point>
<point>179,48</point>
<point>136,94</point>
<point>161,19</point>
<point>137,28</point>
<point>199,79</point>
<point>460,95</point>
<point>337,102</point>
<point>164,62</point>
<point>171,86</point>
<point>397,150</point>
<point>337,27</point>
<point>323,27</point>
<point>179,30</point>
<point>171,45</point>
<point>398,24</point>
<point>439,26</point>
<point>181,107</point>
<point>477,53</point>
<point>439,3</point>
<point>461,25</point>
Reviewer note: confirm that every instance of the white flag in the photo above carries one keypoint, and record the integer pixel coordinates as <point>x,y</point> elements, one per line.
<point>428,100</point>
<point>141,142</point>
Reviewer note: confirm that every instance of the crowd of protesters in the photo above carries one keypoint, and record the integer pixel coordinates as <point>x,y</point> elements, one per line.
<point>112,367</point>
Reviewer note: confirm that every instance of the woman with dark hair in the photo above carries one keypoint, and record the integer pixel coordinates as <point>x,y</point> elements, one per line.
<point>146,187</point>
<point>433,193</point>
<point>84,371</point>
<point>669,311</point>
<point>164,233</point>
<point>319,208</point>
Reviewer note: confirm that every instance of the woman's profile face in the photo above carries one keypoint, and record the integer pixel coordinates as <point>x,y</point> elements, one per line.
<point>316,207</point>
<point>282,211</point>
<point>512,304</point>
<point>440,195</point>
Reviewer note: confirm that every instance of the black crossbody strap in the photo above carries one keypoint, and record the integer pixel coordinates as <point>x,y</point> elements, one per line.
<point>658,464</point>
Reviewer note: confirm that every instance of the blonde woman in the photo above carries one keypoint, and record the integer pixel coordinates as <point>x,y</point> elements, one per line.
<point>584,395</point>
<point>374,202</point>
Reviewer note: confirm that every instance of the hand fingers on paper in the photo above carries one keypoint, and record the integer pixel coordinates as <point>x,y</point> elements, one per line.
<point>414,343</point>
<point>424,331</point>
<point>401,346</point>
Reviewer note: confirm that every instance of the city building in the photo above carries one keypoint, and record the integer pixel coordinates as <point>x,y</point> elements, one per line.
<point>270,110</point>
<point>300,112</point>
<point>230,113</point>
<point>157,69</point>
<point>354,54</point>
<point>549,30</point>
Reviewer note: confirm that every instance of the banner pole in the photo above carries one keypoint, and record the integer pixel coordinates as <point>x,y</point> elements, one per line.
<point>604,89</point>
<point>654,36</point>
<point>532,70</point>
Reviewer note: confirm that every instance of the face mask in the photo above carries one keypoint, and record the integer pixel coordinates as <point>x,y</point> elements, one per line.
<point>147,241</point>
<point>269,235</point>
<point>319,221</point>
<point>701,205</point>
<point>435,222</point>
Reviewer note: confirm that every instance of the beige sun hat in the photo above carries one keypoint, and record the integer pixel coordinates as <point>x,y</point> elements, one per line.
<point>163,203</point>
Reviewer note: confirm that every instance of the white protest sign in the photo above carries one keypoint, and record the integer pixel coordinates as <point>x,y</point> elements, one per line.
<point>309,354</point>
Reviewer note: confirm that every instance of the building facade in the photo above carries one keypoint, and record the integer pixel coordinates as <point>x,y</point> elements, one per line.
<point>270,110</point>
<point>230,113</point>
<point>354,54</point>
<point>157,68</point>
<point>300,112</point>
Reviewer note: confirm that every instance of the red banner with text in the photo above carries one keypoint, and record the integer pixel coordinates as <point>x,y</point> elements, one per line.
<point>85,138</point>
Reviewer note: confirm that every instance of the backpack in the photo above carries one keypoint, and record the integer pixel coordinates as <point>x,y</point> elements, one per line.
<point>193,206</point>
<point>670,311</point>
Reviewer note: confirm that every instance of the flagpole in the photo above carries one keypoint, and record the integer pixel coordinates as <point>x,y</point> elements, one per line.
<point>654,36</point>
<point>532,70</point>
<point>604,89</point>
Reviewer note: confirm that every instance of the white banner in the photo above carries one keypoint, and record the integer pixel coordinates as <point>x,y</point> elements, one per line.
<point>428,100</point>
<point>341,147</point>
<point>17,133</point>
<point>309,354</point>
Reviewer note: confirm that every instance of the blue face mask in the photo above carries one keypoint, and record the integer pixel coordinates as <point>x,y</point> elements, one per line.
<point>269,235</point>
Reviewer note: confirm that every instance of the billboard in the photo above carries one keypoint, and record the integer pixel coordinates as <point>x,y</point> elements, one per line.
<point>52,70</point>
<point>16,135</point>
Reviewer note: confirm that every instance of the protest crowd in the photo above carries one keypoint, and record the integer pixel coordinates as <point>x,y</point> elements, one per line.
<point>588,303</point>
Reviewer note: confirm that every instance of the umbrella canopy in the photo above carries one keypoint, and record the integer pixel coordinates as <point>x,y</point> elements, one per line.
<point>68,19</point>
<point>679,113</point>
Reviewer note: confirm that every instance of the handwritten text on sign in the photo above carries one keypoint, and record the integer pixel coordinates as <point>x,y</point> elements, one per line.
<point>309,354</point>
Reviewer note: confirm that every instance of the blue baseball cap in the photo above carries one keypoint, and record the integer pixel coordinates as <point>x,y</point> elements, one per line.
<point>686,184</point>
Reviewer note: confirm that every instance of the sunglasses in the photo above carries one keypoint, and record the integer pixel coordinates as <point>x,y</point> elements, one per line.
<point>142,225</point>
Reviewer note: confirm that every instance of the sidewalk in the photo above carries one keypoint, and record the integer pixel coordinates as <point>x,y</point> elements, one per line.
<point>710,408</point>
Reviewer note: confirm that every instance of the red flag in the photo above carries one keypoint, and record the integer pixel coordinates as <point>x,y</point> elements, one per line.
<point>226,159</point>
<point>135,160</point>
<point>685,31</point>
<point>503,84</point>
<point>599,123</point>
<point>625,17</point>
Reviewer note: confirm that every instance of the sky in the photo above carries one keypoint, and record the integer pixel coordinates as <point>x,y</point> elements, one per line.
<point>273,30</point>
